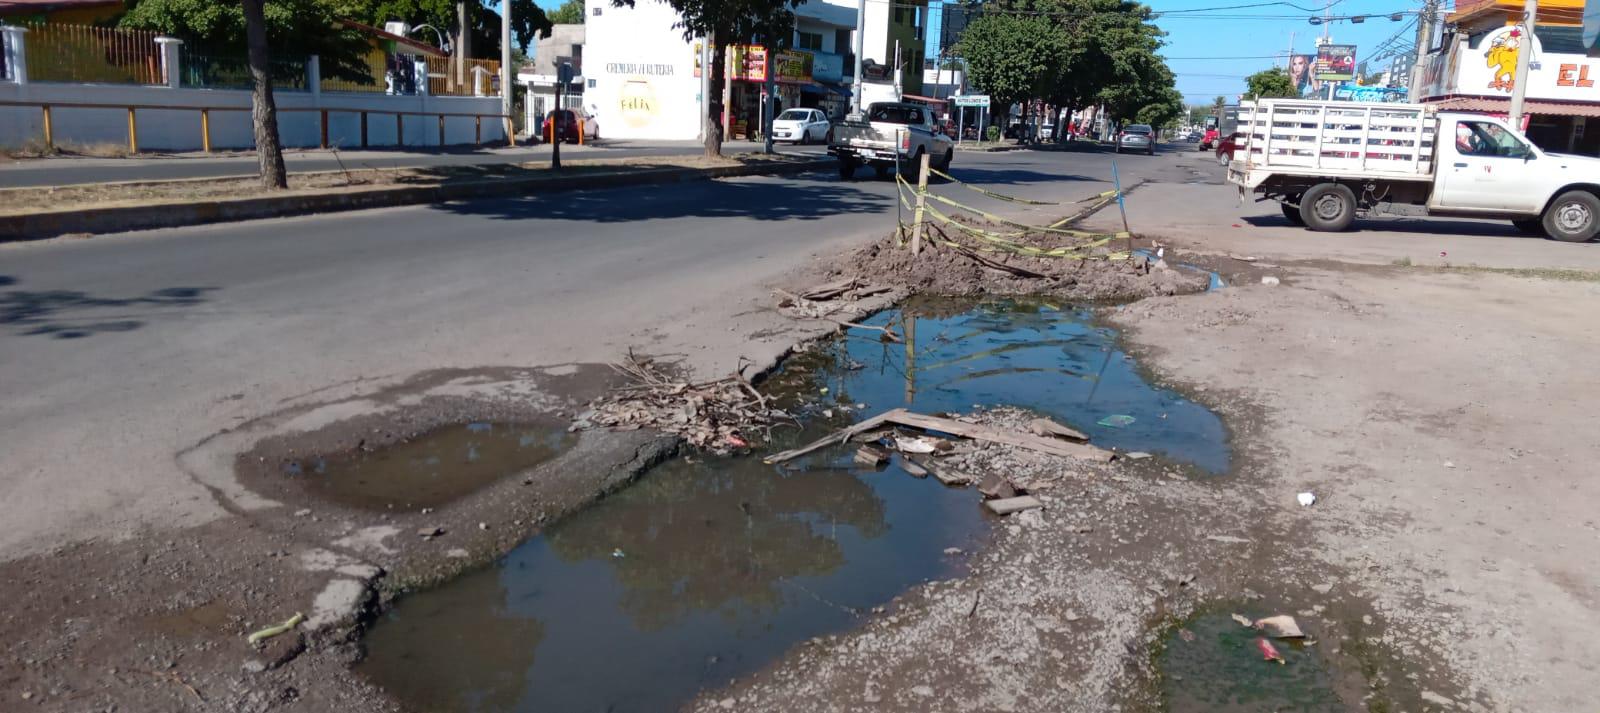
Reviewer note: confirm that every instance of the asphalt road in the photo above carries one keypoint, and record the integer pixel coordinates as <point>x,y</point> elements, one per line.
<point>61,171</point>
<point>121,350</point>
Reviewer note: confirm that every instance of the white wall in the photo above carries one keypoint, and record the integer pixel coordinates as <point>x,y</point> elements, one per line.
<point>876,29</point>
<point>643,72</point>
<point>178,129</point>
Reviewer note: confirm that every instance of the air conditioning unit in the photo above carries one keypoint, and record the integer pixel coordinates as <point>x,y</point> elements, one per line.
<point>395,27</point>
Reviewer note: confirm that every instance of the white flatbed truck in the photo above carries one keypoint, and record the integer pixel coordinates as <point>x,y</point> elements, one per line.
<point>1329,163</point>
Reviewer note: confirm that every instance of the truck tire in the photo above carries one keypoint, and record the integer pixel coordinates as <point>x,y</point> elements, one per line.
<point>1573,217</point>
<point>1328,207</point>
<point>1291,212</point>
<point>949,158</point>
<point>1531,226</point>
<point>847,169</point>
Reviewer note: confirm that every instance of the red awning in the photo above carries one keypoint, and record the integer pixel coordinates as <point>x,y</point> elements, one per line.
<point>922,99</point>
<point>1495,105</point>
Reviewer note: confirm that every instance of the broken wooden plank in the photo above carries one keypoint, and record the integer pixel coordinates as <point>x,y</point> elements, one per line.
<point>872,456</point>
<point>943,473</point>
<point>834,438</point>
<point>912,469</point>
<point>1006,506</point>
<point>831,290</point>
<point>1052,446</point>
<point>1047,427</point>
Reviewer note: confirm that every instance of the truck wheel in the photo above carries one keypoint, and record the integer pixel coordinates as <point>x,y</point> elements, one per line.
<point>949,157</point>
<point>1328,207</point>
<point>847,169</point>
<point>1573,217</point>
<point>1532,226</point>
<point>1291,212</point>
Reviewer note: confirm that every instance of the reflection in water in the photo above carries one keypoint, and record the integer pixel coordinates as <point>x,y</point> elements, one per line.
<point>707,570</point>
<point>696,574</point>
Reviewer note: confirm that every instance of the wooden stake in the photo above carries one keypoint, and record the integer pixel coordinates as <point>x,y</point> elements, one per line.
<point>133,132</point>
<point>49,133</point>
<point>922,199</point>
<point>205,129</point>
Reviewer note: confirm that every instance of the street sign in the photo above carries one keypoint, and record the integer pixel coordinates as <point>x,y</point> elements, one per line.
<point>980,100</point>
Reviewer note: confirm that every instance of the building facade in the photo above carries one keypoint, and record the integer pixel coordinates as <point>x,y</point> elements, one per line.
<point>1474,70</point>
<point>564,46</point>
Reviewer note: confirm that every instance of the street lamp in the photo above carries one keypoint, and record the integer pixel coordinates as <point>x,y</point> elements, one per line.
<point>437,35</point>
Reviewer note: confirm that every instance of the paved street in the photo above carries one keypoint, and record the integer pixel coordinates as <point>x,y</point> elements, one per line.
<point>124,349</point>
<point>73,170</point>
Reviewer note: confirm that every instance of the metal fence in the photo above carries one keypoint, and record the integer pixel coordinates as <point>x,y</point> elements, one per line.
<point>377,67</point>
<point>442,78</point>
<point>207,71</point>
<point>80,53</point>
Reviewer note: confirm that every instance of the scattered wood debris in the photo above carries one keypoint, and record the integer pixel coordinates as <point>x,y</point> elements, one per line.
<point>903,417</point>
<point>873,456</point>
<point>718,416</point>
<point>1047,427</point>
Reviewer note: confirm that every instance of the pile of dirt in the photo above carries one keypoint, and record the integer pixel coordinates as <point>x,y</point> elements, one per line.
<point>945,270</point>
<point>719,416</point>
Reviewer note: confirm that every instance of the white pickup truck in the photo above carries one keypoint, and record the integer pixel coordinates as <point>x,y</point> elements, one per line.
<point>890,132</point>
<point>1330,162</point>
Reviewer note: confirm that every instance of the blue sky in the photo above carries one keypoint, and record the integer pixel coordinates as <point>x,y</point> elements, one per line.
<point>1212,50</point>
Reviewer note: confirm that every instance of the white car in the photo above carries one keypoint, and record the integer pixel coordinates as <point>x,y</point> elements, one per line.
<point>802,126</point>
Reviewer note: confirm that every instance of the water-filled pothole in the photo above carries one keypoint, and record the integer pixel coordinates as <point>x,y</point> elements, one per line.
<point>709,569</point>
<point>1212,664</point>
<point>431,469</point>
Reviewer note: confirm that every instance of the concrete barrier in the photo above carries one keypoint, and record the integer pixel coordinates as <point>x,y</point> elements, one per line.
<point>39,226</point>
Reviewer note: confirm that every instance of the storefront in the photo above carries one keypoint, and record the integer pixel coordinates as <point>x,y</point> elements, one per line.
<point>1475,72</point>
<point>794,80</point>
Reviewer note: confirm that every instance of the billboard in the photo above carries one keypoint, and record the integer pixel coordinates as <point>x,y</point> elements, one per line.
<point>1336,62</point>
<point>1302,75</point>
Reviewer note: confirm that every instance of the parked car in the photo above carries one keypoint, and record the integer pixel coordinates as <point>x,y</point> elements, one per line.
<point>801,126</point>
<point>566,124</point>
<point>890,132</point>
<point>1137,137</point>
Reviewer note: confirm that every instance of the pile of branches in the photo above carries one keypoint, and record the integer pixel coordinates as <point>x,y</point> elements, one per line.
<point>720,416</point>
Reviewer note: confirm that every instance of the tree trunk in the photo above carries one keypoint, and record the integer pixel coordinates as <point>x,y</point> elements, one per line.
<point>714,108</point>
<point>265,114</point>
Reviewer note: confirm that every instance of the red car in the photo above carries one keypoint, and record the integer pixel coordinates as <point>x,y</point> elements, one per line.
<point>1226,147</point>
<point>567,127</point>
<point>1208,140</point>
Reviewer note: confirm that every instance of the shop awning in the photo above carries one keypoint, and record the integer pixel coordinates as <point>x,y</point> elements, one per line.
<point>824,89</point>
<point>1494,105</point>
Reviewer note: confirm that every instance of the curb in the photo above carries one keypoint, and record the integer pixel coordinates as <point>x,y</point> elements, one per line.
<point>40,226</point>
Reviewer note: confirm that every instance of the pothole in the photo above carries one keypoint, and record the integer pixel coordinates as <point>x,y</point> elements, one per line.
<point>429,470</point>
<point>709,569</point>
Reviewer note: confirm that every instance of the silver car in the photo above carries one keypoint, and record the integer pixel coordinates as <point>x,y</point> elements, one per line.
<point>1137,137</point>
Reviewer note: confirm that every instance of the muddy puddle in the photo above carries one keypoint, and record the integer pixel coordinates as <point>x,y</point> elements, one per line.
<point>708,569</point>
<point>1212,664</point>
<point>431,469</point>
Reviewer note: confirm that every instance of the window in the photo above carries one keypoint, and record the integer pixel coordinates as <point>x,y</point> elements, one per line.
<point>809,41</point>
<point>1481,138</point>
<point>896,114</point>
<point>900,15</point>
<point>841,41</point>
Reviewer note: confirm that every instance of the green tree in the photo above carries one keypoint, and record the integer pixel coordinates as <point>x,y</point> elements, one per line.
<point>1013,57</point>
<point>1273,82</point>
<point>1217,105</point>
<point>294,28</point>
<point>725,23</point>
<point>570,13</point>
<point>527,19</point>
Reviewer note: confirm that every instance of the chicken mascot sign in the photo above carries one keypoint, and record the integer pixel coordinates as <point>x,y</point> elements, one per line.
<point>1501,58</point>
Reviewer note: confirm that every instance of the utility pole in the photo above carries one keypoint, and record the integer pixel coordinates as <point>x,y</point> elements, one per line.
<point>769,97</point>
<point>705,85</point>
<point>463,43</point>
<point>1430,11</point>
<point>1519,88</point>
<point>505,70</point>
<point>861,37</point>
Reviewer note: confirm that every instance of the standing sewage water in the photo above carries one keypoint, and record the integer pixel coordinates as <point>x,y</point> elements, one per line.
<point>708,569</point>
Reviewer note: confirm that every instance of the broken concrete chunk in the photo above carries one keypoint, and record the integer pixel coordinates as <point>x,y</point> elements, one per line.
<point>995,485</point>
<point>913,470</point>
<point>1281,626</point>
<point>430,531</point>
<point>1006,506</point>
<point>1243,620</point>
<point>1047,427</point>
<point>1269,280</point>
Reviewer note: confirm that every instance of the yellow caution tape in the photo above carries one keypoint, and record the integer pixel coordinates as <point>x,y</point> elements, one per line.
<point>987,192</point>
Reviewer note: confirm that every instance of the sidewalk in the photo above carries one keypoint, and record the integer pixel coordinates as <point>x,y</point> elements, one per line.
<point>76,170</point>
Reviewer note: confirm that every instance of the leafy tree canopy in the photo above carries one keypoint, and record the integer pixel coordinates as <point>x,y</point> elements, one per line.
<point>1273,82</point>
<point>1012,57</point>
<point>295,28</point>
<point>527,19</point>
<point>570,13</point>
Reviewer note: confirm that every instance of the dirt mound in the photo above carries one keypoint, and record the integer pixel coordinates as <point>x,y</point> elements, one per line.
<point>960,271</point>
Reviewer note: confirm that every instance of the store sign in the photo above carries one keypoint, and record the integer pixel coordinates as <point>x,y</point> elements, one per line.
<point>1490,70</point>
<point>747,63</point>
<point>827,67</point>
<point>1336,62</point>
<point>792,66</point>
<point>978,100</point>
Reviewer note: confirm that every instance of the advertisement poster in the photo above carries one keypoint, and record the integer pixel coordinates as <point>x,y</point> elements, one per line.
<point>1301,74</point>
<point>1336,62</point>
